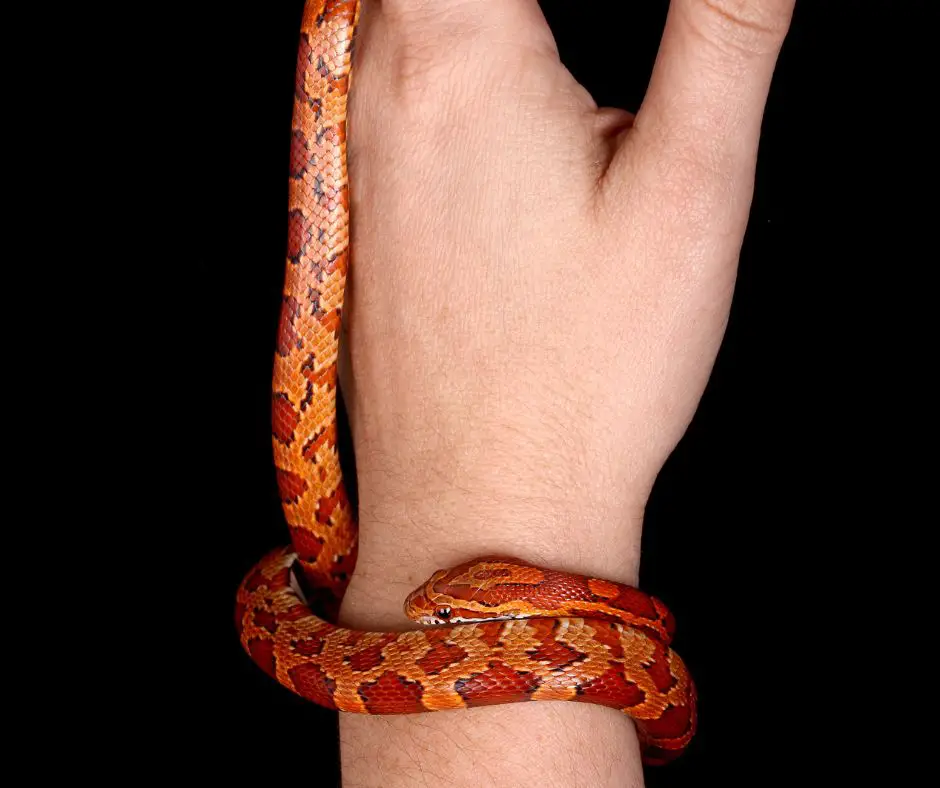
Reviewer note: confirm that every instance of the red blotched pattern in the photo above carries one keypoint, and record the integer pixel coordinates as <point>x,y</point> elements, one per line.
<point>441,655</point>
<point>391,694</point>
<point>313,683</point>
<point>612,689</point>
<point>498,683</point>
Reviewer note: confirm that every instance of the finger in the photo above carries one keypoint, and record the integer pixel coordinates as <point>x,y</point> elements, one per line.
<point>709,85</point>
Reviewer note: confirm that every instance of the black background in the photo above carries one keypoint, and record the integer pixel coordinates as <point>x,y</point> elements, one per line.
<point>748,522</point>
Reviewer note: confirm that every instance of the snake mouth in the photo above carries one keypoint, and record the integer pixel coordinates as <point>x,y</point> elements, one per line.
<point>436,621</point>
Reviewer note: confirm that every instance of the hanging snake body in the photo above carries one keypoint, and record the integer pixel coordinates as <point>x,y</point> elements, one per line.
<point>501,630</point>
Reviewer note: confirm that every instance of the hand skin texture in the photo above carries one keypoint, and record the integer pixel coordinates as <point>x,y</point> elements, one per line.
<point>538,291</point>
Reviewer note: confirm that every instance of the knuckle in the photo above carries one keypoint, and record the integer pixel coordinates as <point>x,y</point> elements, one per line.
<point>429,64</point>
<point>741,27</point>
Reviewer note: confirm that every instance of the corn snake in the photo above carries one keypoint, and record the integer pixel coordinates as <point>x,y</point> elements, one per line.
<point>501,630</point>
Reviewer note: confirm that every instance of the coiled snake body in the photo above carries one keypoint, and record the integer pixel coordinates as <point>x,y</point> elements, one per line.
<point>504,631</point>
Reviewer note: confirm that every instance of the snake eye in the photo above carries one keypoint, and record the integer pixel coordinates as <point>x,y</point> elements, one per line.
<point>443,613</point>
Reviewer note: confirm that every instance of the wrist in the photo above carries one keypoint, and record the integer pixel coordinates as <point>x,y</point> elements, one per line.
<point>408,530</point>
<point>427,503</point>
<point>427,516</point>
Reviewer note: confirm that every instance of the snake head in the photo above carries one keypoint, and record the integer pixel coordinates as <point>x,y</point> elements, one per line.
<point>452,596</point>
<point>421,604</point>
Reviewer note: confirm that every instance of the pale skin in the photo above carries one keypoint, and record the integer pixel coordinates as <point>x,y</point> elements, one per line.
<point>538,291</point>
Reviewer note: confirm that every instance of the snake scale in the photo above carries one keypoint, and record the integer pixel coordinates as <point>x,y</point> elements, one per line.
<point>501,630</point>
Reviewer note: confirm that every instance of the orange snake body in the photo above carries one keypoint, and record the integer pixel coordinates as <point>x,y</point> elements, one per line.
<point>502,630</point>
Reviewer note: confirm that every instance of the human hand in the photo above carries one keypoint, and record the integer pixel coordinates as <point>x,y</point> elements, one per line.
<point>537,292</point>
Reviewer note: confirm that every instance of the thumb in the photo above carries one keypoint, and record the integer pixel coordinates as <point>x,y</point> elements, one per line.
<point>706,97</point>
